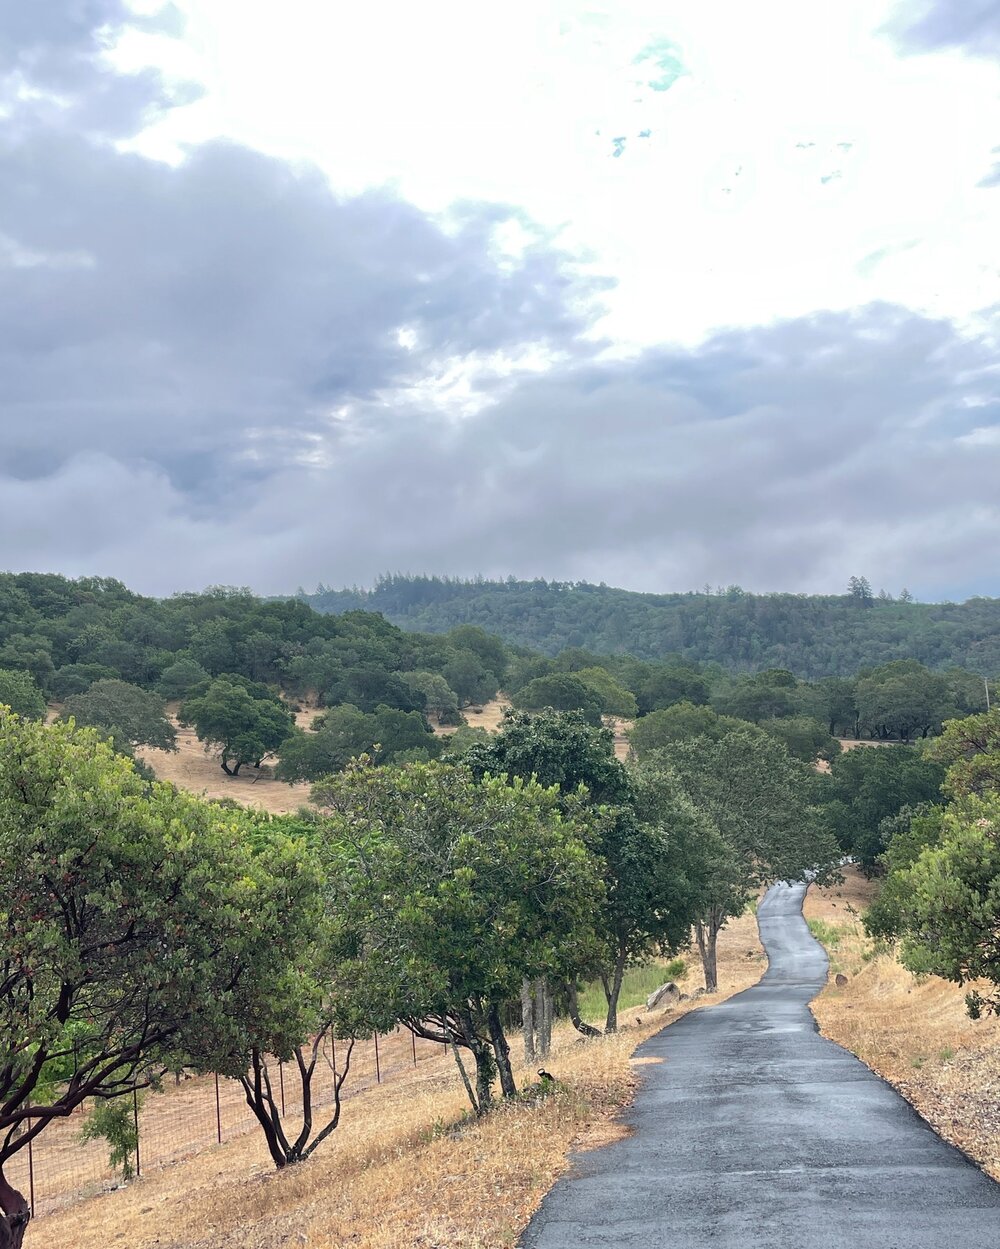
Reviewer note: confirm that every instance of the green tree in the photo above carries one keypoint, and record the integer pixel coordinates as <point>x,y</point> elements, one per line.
<point>20,693</point>
<point>970,749</point>
<point>462,889</point>
<point>179,678</point>
<point>904,837</point>
<point>803,737</point>
<point>757,799</point>
<point>869,783</point>
<point>469,677</point>
<point>131,715</point>
<point>561,691</point>
<point>615,699</point>
<point>440,699</point>
<point>242,720</point>
<point>667,686</point>
<point>344,733</point>
<point>138,929</point>
<point>951,907</point>
<point>649,842</point>
<point>678,723</point>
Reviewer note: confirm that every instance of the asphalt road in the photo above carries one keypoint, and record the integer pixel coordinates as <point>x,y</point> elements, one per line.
<point>756,1131</point>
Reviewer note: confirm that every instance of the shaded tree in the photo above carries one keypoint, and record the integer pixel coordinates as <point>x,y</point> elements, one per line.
<point>242,720</point>
<point>132,716</point>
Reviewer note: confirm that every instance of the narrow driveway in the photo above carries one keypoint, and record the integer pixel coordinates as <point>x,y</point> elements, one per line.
<point>756,1131</point>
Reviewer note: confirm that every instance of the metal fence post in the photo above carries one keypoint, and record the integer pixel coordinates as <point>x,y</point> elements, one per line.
<point>281,1084</point>
<point>378,1073</point>
<point>218,1111</point>
<point>413,1044</point>
<point>135,1116</point>
<point>31,1179</point>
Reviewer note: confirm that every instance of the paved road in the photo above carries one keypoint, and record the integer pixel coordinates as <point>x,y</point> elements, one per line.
<point>756,1131</point>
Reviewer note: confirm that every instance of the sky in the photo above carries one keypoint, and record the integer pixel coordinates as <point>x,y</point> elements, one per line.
<point>661,294</point>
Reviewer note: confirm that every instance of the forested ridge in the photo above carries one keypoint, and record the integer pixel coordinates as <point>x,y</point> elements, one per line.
<point>810,635</point>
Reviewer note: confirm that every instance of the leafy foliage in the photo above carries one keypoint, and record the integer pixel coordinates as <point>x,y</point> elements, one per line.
<point>242,719</point>
<point>19,692</point>
<point>131,715</point>
<point>462,888</point>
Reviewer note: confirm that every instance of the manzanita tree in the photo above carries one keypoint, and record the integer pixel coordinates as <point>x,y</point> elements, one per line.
<point>139,930</point>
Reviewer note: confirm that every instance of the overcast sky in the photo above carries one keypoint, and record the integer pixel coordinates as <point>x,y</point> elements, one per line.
<point>654,293</point>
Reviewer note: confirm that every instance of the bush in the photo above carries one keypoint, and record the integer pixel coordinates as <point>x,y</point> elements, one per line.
<point>115,1122</point>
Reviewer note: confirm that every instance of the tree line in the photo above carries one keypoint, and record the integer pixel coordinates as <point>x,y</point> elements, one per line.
<point>811,635</point>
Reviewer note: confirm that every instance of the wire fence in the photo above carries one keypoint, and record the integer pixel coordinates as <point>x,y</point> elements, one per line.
<point>191,1114</point>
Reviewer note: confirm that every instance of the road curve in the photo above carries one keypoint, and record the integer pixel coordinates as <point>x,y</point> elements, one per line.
<point>756,1131</point>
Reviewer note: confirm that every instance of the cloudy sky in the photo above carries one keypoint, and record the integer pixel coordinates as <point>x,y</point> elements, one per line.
<point>654,293</point>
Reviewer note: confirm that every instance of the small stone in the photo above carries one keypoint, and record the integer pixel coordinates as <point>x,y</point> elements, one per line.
<point>841,980</point>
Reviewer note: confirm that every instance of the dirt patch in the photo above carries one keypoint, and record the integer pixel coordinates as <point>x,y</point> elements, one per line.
<point>913,1032</point>
<point>192,767</point>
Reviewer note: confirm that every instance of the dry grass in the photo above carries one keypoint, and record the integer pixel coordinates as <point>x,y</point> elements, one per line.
<point>406,1167</point>
<point>192,767</point>
<point>913,1032</point>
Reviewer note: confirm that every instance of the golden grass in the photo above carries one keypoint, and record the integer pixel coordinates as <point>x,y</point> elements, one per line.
<point>913,1032</point>
<point>406,1167</point>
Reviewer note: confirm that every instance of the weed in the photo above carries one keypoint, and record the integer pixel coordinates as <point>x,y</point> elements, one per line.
<point>827,934</point>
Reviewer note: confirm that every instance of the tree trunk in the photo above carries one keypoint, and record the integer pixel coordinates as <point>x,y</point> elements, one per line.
<point>225,766</point>
<point>612,991</point>
<point>502,1051</point>
<point>485,1071</point>
<point>707,934</point>
<point>574,1013</point>
<point>528,1021</point>
<point>15,1214</point>
<point>543,998</point>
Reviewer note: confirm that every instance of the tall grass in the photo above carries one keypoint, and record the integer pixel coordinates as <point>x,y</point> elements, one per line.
<point>638,984</point>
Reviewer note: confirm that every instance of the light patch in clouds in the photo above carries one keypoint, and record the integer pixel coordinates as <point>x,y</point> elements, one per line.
<point>842,146</point>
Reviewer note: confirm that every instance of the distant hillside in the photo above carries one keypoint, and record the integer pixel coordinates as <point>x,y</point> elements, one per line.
<point>812,635</point>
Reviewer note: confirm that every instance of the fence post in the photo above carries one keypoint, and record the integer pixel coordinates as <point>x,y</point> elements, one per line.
<point>281,1083</point>
<point>31,1178</point>
<point>218,1111</point>
<point>378,1073</point>
<point>413,1043</point>
<point>135,1116</point>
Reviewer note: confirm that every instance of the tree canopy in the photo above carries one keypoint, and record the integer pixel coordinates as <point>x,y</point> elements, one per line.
<point>139,928</point>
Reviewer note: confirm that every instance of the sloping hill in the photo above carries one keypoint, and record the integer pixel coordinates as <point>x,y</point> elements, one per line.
<point>812,635</point>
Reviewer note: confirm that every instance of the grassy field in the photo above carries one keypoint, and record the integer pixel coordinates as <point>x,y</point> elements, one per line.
<point>913,1032</point>
<point>407,1166</point>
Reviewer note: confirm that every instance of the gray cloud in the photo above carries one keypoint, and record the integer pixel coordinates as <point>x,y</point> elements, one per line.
<point>780,457</point>
<point>211,374</point>
<point>970,25</point>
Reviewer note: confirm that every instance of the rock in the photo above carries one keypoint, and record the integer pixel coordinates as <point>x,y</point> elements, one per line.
<point>665,995</point>
<point>841,980</point>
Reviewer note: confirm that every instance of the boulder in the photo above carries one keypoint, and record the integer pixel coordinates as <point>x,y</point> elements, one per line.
<point>666,995</point>
<point>841,980</point>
